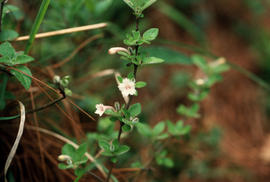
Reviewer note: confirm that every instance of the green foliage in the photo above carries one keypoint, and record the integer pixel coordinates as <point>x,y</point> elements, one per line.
<point>74,157</point>
<point>8,35</point>
<point>182,20</point>
<point>168,55</point>
<point>135,37</point>
<point>14,10</point>
<point>162,160</point>
<point>113,149</point>
<point>39,18</point>
<point>152,60</point>
<point>178,129</point>
<point>21,73</point>
<point>191,112</point>
<point>140,84</point>
<point>150,35</point>
<point>139,6</point>
<point>12,58</point>
<point>135,109</point>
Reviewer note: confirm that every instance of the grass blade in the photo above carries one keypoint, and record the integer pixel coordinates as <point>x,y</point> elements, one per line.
<point>181,20</point>
<point>40,16</point>
<point>17,140</point>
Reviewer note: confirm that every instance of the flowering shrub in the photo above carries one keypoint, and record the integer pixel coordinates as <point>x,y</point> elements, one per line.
<point>127,114</point>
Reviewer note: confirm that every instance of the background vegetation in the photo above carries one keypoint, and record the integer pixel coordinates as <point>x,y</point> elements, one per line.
<point>230,141</point>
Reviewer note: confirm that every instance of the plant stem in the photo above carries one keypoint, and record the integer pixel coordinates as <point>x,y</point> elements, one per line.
<point>1,13</point>
<point>38,20</point>
<point>135,70</point>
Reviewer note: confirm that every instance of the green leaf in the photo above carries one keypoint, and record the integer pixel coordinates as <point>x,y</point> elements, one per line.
<point>6,60</point>
<point>22,59</point>
<point>148,3</point>
<point>68,92</point>
<point>158,128</point>
<point>170,56</point>
<point>200,62</point>
<point>162,136</point>
<point>6,49</point>
<point>122,149</point>
<point>63,166</point>
<point>196,97</point>
<point>130,4</point>
<point>139,5</point>
<point>130,76</point>
<point>104,145</point>
<point>140,84</point>
<point>8,35</point>
<point>80,152</point>
<point>171,128</point>
<point>135,109</point>
<point>110,112</point>
<point>168,162</point>
<point>22,78</point>
<point>179,125</point>
<point>185,130</point>
<point>152,60</point>
<point>150,34</point>
<point>189,112</point>
<point>114,160</point>
<point>115,143</point>
<point>126,128</point>
<point>79,172</point>
<point>69,150</point>
<point>107,153</point>
<point>144,129</point>
<point>133,39</point>
<point>16,12</point>
<point>10,8</point>
<point>120,79</point>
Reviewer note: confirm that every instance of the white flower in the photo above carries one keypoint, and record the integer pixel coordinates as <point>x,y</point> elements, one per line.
<point>100,109</point>
<point>127,87</point>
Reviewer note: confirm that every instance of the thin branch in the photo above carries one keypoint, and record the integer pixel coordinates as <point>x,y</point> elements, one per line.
<point>40,108</point>
<point>96,176</point>
<point>81,46</point>
<point>49,104</point>
<point>64,31</point>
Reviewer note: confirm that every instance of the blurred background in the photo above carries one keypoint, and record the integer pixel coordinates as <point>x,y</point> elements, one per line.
<point>230,142</point>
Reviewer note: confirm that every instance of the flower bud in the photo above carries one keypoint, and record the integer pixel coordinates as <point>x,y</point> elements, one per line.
<point>64,158</point>
<point>117,106</point>
<point>218,62</point>
<point>200,81</point>
<point>56,79</point>
<point>115,50</point>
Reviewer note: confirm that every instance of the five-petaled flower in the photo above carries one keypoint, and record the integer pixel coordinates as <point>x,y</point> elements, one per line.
<point>127,87</point>
<point>100,109</point>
